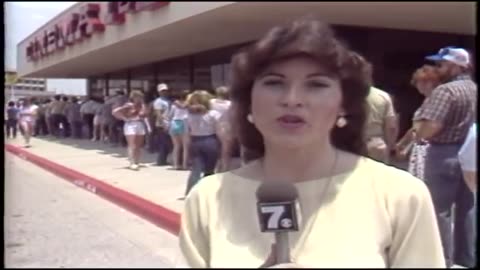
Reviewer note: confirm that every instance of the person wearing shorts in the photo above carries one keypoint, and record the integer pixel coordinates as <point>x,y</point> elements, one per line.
<point>178,114</point>
<point>133,113</point>
<point>27,120</point>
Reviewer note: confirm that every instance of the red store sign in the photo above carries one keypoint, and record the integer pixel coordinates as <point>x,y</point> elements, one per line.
<point>82,25</point>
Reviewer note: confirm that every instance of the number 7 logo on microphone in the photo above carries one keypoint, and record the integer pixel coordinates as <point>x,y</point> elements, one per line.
<point>277,217</point>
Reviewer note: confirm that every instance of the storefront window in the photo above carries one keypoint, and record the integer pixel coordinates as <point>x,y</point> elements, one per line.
<point>175,73</point>
<point>117,81</point>
<point>202,78</point>
<point>217,76</point>
<point>143,78</point>
<point>211,68</point>
<point>97,87</point>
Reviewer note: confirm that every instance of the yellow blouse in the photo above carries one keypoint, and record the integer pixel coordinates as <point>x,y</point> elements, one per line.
<point>373,216</point>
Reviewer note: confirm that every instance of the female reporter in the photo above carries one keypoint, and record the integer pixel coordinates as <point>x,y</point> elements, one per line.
<point>300,96</point>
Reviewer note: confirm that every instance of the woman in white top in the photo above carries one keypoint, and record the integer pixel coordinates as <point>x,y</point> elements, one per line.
<point>202,126</point>
<point>27,115</point>
<point>301,97</point>
<point>221,104</point>
<point>177,116</point>
<point>133,113</point>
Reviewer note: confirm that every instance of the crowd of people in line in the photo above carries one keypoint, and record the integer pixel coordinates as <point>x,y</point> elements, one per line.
<point>198,129</point>
<point>192,127</point>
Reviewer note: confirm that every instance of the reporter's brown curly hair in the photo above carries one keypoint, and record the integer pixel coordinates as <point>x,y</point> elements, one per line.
<point>311,37</point>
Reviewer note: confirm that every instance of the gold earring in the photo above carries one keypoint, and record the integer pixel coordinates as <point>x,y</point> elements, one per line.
<point>341,122</point>
<point>250,118</point>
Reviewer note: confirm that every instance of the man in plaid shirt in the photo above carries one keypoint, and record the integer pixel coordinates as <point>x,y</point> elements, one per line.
<point>446,116</point>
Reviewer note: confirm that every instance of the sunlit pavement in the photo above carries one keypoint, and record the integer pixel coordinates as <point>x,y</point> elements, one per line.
<point>52,223</point>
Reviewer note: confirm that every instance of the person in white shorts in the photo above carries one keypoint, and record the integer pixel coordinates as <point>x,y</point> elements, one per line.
<point>133,113</point>
<point>27,115</point>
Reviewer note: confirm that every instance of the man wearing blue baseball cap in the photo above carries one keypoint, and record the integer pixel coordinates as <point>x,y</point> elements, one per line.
<point>452,61</point>
<point>446,117</point>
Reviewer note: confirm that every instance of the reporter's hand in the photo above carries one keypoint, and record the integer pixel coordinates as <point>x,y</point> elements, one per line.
<point>286,265</point>
<point>270,262</point>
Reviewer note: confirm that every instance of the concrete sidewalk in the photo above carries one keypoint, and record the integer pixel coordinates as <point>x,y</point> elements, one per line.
<point>160,185</point>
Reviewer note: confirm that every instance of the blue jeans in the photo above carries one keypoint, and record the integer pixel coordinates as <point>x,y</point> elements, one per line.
<point>204,151</point>
<point>12,126</point>
<point>444,179</point>
<point>473,216</point>
<point>164,143</point>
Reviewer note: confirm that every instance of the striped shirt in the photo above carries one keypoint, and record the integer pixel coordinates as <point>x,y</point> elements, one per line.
<point>203,124</point>
<point>452,104</point>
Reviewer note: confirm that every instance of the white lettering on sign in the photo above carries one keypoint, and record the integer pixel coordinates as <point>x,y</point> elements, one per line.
<point>276,212</point>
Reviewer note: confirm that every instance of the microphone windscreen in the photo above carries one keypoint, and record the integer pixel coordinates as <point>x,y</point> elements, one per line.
<point>276,191</point>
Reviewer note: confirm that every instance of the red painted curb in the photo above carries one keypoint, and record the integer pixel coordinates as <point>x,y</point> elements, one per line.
<point>158,215</point>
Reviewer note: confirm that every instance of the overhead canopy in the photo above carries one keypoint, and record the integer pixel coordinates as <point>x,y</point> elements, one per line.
<point>185,28</point>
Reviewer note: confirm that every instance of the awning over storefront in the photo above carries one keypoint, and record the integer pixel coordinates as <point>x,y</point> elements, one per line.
<point>182,28</point>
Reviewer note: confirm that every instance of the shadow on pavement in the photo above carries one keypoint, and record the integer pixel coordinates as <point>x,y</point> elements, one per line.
<point>100,148</point>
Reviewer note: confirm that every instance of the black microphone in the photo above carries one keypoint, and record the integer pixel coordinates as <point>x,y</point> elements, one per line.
<point>277,214</point>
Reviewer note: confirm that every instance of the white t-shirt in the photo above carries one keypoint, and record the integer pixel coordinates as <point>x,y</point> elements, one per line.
<point>160,104</point>
<point>203,124</point>
<point>220,105</point>
<point>468,153</point>
<point>27,113</point>
<point>178,113</point>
